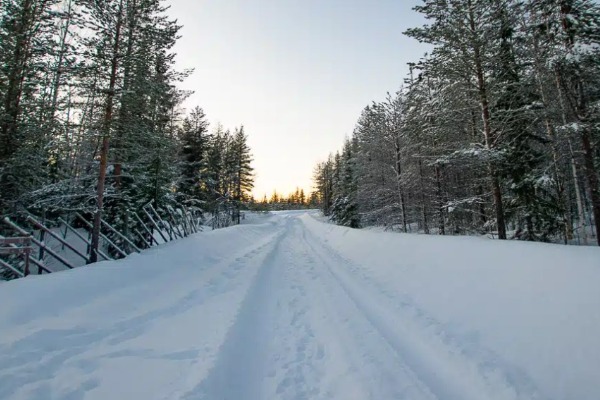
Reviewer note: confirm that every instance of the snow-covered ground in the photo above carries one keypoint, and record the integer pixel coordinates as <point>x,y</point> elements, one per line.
<point>288,307</point>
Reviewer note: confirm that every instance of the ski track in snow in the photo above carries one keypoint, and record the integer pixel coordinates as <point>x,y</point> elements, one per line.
<point>417,350</point>
<point>285,317</point>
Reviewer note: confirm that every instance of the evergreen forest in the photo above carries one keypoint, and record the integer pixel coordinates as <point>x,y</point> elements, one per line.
<point>495,131</point>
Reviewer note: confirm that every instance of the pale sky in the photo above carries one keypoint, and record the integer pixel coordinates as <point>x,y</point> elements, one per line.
<point>295,73</point>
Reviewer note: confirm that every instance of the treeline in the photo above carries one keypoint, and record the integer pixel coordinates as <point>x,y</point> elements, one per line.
<point>495,131</point>
<point>215,171</point>
<point>91,120</point>
<point>297,200</point>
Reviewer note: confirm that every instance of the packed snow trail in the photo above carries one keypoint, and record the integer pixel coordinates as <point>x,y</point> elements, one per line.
<point>288,307</point>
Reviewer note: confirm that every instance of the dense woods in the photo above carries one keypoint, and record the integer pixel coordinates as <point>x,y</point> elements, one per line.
<point>495,131</point>
<point>91,117</point>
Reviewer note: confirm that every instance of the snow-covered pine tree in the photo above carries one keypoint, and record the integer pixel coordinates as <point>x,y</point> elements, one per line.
<point>27,29</point>
<point>494,129</point>
<point>464,35</point>
<point>575,28</point>
<point>194,138</point>
<point>324,182</point>
<point>344,209</point>
<point>243,178</point>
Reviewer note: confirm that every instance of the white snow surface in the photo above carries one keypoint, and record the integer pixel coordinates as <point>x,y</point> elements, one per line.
<point>288,307</point>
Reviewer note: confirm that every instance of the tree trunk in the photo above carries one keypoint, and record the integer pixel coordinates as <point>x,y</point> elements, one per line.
<point>123,112</point>
<point>440,199</point>
<point>581,112</point>
<point>487,130</point>
<point>592,179</point>
<point>108,115</point>
<point>588,158</point>
<point>423,202</point>
<point>59,63</point>
<point>399,184</point>
<point>579,198</point>
<point>558,175</point>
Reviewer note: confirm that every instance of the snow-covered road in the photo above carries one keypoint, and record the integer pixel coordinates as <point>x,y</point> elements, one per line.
<point>287,307</point>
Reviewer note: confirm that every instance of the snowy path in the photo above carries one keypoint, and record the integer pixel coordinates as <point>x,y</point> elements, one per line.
<point>290,308</point>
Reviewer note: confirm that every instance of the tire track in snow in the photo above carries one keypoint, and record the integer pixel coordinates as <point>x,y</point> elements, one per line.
<point>366,366</point>
<point>509,381</point>
<point>271,350</point>
<point>238,372</point>
<point>446,370</point>
<point>295,352</point>
<point>128,324</point>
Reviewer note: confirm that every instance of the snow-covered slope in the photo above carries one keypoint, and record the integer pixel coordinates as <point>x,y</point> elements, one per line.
<point>287,307</point>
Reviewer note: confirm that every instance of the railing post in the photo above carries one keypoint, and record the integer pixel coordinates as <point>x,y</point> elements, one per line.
<point>27,250</point>
<point>19,246</point>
